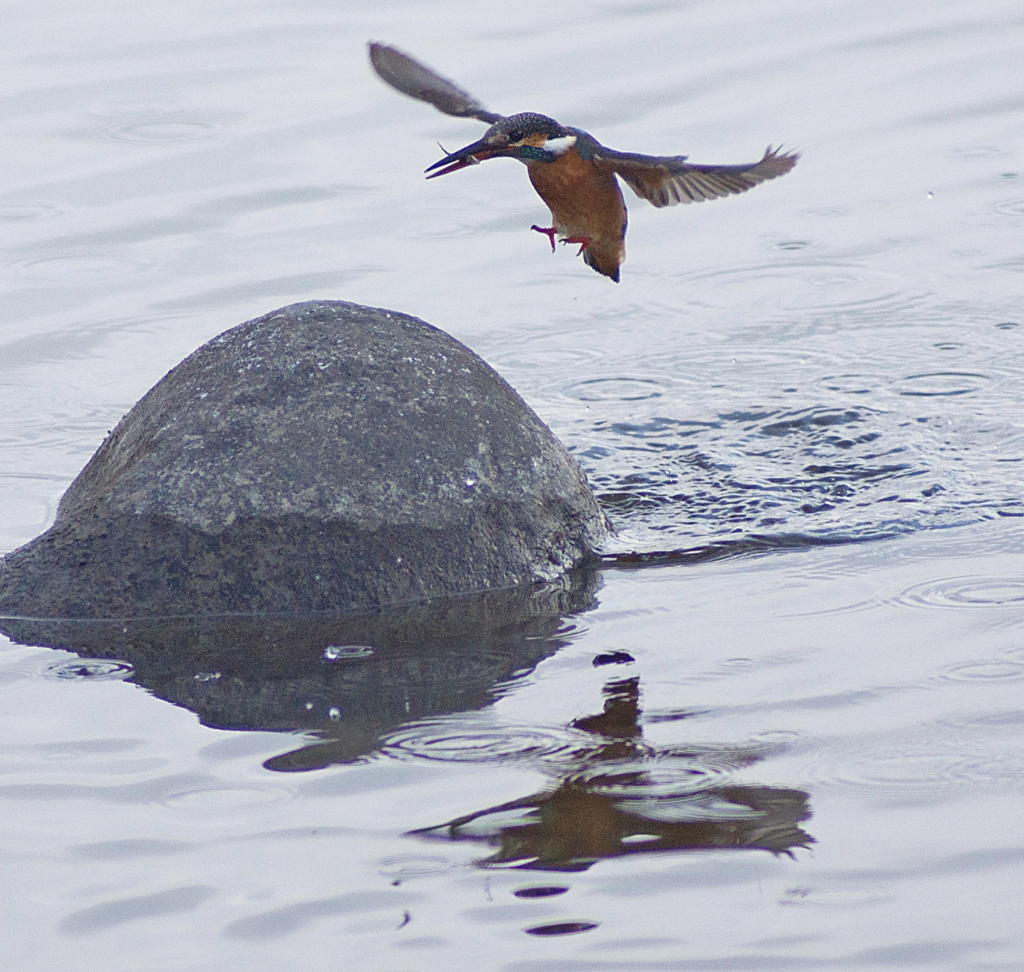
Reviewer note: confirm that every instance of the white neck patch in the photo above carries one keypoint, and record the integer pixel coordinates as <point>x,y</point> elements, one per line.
<point>561,145</point>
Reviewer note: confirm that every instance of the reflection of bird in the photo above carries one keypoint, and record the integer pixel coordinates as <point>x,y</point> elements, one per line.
<point>570,169</point>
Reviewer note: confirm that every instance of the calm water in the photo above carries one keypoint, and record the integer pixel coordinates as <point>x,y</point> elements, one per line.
<point>783,726</point>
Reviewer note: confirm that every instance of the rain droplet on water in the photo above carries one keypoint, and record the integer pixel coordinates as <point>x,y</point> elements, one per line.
<point>346,652</point>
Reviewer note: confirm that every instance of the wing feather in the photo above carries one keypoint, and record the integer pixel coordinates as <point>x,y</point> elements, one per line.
<point>669,180</point>
<point>412,78</point>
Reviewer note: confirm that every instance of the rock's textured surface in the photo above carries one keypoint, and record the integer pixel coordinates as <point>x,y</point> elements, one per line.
<point>324,457</point>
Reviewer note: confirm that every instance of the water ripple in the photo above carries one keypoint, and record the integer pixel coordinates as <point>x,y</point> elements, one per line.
<point>217,799</point>
<point>984,671</point>
<point>1016,653</point>
<point>1013,208</point>
<point>71,267</point>
<point>939,763</point>
<point>471,740</point>
<point>765,476</point>
<point>92,669</point>
<point>651,781</point>
<point>151,123</point>
<point>817,286</point>
<point>960,592</point>
<point>160,131</point>
<point>616,389</point>
<point>906,768</point>
<point>834,897</point>
<point>557,359</point>
<point>937,383</point>
<point>30,211</point>
<point>988,722</point>
<point>405,866</point>
<point>853,383</point>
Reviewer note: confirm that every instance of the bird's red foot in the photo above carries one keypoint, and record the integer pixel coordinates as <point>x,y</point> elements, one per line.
<point>584,242</point>
<point>549,232</point>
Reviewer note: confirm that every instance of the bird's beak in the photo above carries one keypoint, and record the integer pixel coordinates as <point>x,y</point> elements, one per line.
<point>470,155</point>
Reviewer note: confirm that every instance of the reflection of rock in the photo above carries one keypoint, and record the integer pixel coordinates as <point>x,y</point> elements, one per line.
<point>621,796</point>
<point>432,659</point>
<point>323,457</point>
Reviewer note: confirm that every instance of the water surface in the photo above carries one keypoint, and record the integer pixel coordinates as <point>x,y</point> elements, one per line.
<point>780,726</point>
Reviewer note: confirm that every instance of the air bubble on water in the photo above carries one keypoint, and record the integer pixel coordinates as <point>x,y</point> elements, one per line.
<point>346,652</point>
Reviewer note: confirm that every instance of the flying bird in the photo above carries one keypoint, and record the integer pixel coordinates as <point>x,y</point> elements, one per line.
<point>575,175</point>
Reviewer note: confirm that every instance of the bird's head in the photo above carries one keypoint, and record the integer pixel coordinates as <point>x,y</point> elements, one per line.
<point>527,136</point>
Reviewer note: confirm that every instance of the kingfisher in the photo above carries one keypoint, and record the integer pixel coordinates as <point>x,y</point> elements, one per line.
<point>572,172</point>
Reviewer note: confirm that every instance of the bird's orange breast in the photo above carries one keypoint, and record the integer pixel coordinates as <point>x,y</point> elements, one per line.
<point>585,204</point>
<point>584,201</point>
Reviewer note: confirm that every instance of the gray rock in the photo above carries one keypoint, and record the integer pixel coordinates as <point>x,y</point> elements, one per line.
<point>324,457</point>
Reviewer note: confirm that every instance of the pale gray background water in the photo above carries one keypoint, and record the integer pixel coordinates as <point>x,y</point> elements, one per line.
<point>835,357</point>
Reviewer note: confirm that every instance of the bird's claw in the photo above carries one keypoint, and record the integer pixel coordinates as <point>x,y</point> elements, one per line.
<point>583,241</point>
<point>549,232</point>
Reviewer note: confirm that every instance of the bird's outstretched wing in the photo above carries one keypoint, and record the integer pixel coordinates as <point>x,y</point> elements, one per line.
<point>668,180</point>
<point>418,81</point>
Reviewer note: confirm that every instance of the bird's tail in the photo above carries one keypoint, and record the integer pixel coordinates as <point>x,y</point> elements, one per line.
<point>605,259</point>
